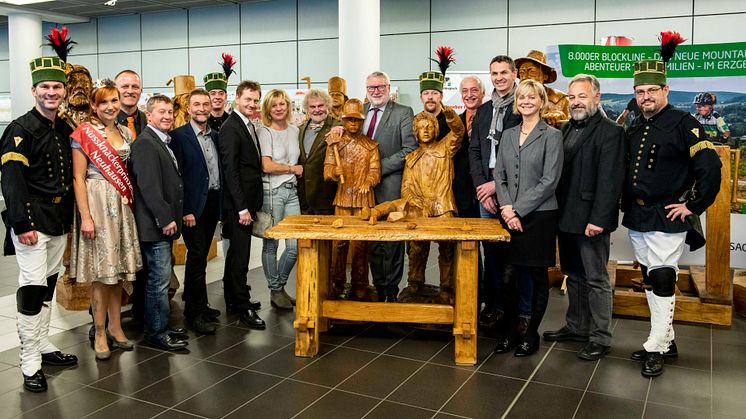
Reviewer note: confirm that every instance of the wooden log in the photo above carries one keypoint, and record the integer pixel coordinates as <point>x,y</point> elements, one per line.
<point>700,283</point>
<point>717,250</point>
<point>319,227</point>
<point>465,315</point>
<point>739,292</point>
<point>387,312</point>
<point>310,294</point>
<point>626,273</point>
<point>688,309</point>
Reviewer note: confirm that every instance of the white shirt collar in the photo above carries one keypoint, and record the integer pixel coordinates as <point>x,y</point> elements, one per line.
<point>162,135</point>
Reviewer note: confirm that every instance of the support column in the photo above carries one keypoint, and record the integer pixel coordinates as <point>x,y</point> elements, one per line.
<point>359,43</point>
<point>24,44</point>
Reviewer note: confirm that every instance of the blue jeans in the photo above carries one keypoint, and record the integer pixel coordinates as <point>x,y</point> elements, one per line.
<point>157,259</point>
<point>284,202</point>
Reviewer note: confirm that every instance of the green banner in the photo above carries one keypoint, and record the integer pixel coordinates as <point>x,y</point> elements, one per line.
<point>703,60</point>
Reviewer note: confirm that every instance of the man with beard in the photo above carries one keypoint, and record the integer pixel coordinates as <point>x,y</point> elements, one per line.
<point>130,90</point>
<point>195,146</point>
<point>588,197</point>
<point>36,175</point>
<point>79,87</point>
<point>390,124</point>
<point>672,176</point>
<point>314,193</point>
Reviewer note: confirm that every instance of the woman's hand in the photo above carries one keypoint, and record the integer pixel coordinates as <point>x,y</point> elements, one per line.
<point>506,211</point>
<point>515,224</point>
<point>87,228</point>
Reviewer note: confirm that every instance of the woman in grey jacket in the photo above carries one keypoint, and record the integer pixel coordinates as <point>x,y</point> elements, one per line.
<point>527,171</point>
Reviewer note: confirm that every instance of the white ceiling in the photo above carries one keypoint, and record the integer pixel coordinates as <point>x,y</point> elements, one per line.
<point>96,8</point>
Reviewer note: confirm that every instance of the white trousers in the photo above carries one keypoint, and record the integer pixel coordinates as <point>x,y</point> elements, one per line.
<point>656,249</point>
<point>35,264</point>
<point>39,261</point>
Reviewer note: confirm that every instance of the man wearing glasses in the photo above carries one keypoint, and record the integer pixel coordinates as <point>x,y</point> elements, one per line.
<point>390,124</point>
<point>673,175</point>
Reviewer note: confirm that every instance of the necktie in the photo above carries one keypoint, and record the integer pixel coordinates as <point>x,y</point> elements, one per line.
<point>131,126</point>
<point>469,120</point>
<point>316,125</point>
<point>372,126</point>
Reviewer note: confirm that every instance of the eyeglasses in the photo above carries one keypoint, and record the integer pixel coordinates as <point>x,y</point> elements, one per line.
<point>651,92</point>
<point>380,88</point>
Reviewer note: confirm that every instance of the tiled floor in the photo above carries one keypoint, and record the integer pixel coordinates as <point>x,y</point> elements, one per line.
<point>372,371</point>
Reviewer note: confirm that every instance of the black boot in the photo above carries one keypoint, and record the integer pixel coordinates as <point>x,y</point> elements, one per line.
<point>653,365</point>
<point>36,383</point>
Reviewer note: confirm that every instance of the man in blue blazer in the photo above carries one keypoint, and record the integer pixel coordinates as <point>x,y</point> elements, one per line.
<point>195,146</point>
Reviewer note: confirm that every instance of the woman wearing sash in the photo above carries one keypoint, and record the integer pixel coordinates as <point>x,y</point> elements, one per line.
<point>278,141</point>
<point>105,247</point>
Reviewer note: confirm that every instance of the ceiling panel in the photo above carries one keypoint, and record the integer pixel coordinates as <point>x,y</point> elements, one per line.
<point>95,8</point>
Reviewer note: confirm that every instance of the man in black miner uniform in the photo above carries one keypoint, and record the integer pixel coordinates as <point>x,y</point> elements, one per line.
<point>37,186</point>
<point>673,175</point>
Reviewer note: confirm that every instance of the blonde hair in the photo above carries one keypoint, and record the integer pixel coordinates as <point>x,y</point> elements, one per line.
<point>530,86</point>
<point>269,100</point>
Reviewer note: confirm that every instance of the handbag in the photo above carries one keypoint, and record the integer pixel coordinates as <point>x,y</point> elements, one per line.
<point>264,219</point>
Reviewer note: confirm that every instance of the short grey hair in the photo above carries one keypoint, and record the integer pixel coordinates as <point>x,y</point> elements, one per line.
<point>157,98</point>
<point>595,84</point>
<point>379,74</point>
<point>317,94</point>
<point>472,77</point>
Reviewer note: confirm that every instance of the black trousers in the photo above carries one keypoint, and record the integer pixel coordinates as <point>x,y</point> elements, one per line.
<point>386,265</point>
<point>235,288</point>
<point>539,277</point>
<point>198,240</point>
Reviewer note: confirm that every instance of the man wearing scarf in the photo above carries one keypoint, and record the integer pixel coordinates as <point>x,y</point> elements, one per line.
<point>491,119</point>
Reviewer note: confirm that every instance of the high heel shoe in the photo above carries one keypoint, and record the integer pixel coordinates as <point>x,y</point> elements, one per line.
<point>104,355</point>
<point>125,345</point>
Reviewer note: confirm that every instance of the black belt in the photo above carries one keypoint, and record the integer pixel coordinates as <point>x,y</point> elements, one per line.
<point>657,202</point>
<point>47,199</point>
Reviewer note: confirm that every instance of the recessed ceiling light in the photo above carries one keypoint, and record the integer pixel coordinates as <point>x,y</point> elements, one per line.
<point>24,2</point>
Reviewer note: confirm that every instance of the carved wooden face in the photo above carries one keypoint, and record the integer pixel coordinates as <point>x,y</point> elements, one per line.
<point>353,125</point>
<point>533,71</point>
<point>79,87</point>
<point>425,130</point>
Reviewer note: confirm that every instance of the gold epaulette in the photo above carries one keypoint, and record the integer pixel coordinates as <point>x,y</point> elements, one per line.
<point>13,156</point>
<point>702,145</point>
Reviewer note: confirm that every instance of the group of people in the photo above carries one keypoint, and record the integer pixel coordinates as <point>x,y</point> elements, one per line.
<point>129,184</point>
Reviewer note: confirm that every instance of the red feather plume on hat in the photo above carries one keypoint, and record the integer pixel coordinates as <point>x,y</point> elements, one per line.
<point>669,41</point>
<point>60,43</point>
<point>227,64</point>
<point>445,58</point>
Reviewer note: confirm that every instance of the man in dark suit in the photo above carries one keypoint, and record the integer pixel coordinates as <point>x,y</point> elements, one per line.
<point>242,198</point>
<point>390,124</point>
<point>491,119</point>
<point>158,199</point>
<point>315,194</point>
<point>195,146</point>
<point>588,196</point>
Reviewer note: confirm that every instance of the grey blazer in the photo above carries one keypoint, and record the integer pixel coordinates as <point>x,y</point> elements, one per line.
<point>527,176</point>
<point>395,140</point>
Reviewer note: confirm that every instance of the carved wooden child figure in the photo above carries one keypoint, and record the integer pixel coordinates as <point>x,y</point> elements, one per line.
<point>352,160</point>
<point>427,192</point>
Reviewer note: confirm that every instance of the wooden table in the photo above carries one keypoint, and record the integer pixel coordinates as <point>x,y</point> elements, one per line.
<point>315,234</point>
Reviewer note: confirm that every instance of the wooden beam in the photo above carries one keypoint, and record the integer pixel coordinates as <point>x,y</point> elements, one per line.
<point>700,283</point>
<point>465,315</point>
<point>688,309</point>
<point>717,250</point>
<point>387,312</point>
<point>626,273</point>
